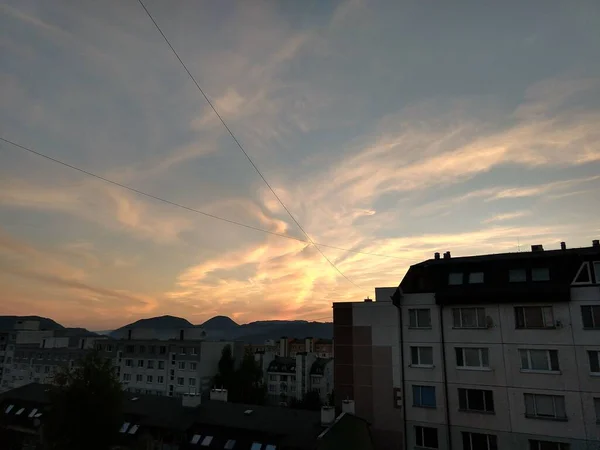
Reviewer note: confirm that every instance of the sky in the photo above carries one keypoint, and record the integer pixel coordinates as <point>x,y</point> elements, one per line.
<point>396,128</point>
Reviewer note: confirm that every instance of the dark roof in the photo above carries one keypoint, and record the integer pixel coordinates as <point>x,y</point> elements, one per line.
<point>432,276</point>
<point>157,411</point>
<point>283,364</point>
<point>347,433</point>
<point>318,366</point>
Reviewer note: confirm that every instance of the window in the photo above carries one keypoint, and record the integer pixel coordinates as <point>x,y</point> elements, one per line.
<point>597,407</point>
<point>192,382</point>
<point>547,445</point>
<point>315,380</point>
<point>272,388</point>
<point>540,274</point>
<point>469,317</point>
<point>590,316</point>
<point>161,379</point>
<point>545,406</point>
<point>180,381</point>
<point>193,366</point>
<point>479,441</point>
<point>544,360</point>
<point>472,357</point>
<point>206,441</point>
<point>583,275</point>
<point>426,437</point>
<point>517,275</point>
<point>455,278</point>
<point>475,277</point>
<point>594,357</point>
<point>182,365</point>
<point>150,364</point>
<point>149,379</point>
<point>229,444</point>
<point>162,349</point>
<point>534,317</point>
<point>421,356</point>
<point>597,271</point>
<point>140,363</point>
<point>46,369</point>
<point>126,377</point>
<point>129,348</point>
<point>138,378</point>
<point>182,350</point>
<point>193,350</point>
<point>38,369</point>
<point>272,377</point>
<point>424,396</point>
<point>419,318</point>
<point>142,349</point>
<point>152,349</point>
<point>161,365</point>
<point>479,400</point>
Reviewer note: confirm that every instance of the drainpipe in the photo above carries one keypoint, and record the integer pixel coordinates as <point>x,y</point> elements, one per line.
<point>396,302</point>
<point>448,424</point>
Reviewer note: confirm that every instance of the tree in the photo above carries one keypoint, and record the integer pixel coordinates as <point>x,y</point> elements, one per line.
<point>331,398</point>
<point>85,406</point>
<point>310,401</point>
<point>244,384</point>
<point>225,376</point>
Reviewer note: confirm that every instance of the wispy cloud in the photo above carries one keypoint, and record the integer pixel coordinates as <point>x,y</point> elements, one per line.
<point>507,216</point>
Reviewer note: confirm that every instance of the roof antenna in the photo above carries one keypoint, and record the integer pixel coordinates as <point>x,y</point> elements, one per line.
<point>519,244</point>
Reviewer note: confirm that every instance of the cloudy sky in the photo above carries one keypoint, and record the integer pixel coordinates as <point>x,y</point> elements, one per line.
<point>397,128</point>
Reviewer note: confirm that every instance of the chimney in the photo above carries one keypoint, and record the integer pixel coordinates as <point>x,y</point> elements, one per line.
<point>537,248</point>
<point>190,400</point>
<point>447,255</point>
<point>368,300</point>
<point>436,255</point>
<point>563,246</point>
<point>219,395</point>
<point>327,415</point>
<point>348,406</point>
<point>596,243</point>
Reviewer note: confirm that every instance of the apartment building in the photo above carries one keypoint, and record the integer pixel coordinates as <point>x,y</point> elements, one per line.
<point>290,378</point>
<point>495,351</point>
<point>183,363</point>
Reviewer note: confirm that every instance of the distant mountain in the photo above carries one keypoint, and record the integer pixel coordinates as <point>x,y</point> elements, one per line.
<point>8,322</point>
<point>220,323</point>
<point>158,323</point>
<point>222,327</point>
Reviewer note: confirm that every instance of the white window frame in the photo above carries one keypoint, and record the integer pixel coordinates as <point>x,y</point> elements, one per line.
<point>536,415</point>
<point>470,436</point>
<point>485,405</point>
<point>413,313</point>
<point>420,432</point>
<point>480,352</point>
<point>549,369</point>
<point>453,278</point>
<point>476,277</point>
<point>595,326</point>
<point>545,309</point>
<point>460,310</point>
<point>419,363</point>
<point>584,267</point>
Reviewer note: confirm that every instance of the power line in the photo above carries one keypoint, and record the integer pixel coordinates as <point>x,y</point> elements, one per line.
<point>179,205</point>
<point>240,145</point>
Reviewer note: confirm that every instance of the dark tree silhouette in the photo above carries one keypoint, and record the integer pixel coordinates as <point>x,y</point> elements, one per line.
<point>244,384</point>
<point>85,410</point>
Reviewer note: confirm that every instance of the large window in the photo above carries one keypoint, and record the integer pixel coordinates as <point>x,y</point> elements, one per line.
<point>139,378</point>
<point>455,278</point>
<point>547,445</point>
<point>426,437</point>
<point>543,360</point>
<point>150,364</point>
<point>590,315</point>
<point>540,274</point>
<point>476,277</point>
<point>419,318</point>
<point>534,317</point>
<point>424,396</point>
<point>479,441</point>
<point>597,271</point>
<point>479,400</point>
<point>421,356</point>
<point>517,275</point>
<point>469,317</point>
<point>472,358</point>
<point>140,363</point>
<point>545,406</point>
<point>597,408</point>
<point>594,357</point>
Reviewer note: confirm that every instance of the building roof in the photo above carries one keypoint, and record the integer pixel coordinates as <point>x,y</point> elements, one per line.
<point>347,433</point>
<point>433,276</point>
<point>318,367</point>
<point>282,364</point>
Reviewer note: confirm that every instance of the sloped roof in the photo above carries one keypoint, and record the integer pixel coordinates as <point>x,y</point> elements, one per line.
<point>347,433</point>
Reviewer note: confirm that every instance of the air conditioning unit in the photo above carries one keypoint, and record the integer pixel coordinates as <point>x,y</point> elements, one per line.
<point>489,322</point>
